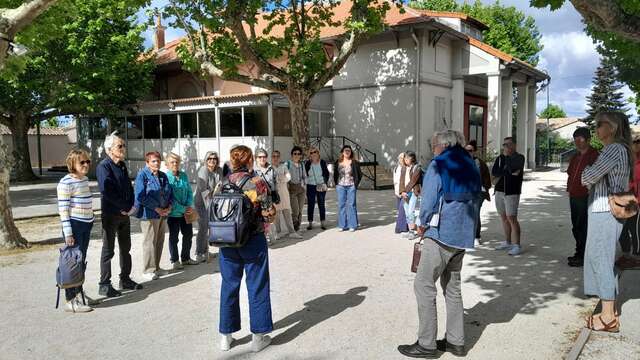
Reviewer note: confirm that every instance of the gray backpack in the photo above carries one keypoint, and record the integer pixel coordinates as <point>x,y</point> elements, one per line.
<point>70,273</point>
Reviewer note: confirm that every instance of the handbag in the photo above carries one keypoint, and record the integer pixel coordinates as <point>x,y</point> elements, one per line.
<point>417,252</point>
<point>191,218</point>
<point>622,205</point>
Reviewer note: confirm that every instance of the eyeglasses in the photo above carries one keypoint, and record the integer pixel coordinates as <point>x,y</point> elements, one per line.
<point>85,162</point>
<point>261,156</point>
<point>506,144</point>
<point>314,152</point>
<point>121,146</point>
<point>297,153</point>
<point>212,158</point>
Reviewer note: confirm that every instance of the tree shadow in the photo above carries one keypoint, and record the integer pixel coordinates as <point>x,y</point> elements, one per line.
<point>527,283</point>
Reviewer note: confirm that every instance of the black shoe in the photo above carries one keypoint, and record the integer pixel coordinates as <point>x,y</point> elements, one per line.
<point>108,291</point>
<point>417,351</point>
<point>128,284</point>
<point>574,257</point>
<point>457,350</point>
<point>577,262</point>
<point>309,227</point>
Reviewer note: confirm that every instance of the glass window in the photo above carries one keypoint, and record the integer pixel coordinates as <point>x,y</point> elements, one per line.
<point>118,124</point>
<point>169,126</point>
<point>476,124</point>
<point>314,123</point>
<point>134,127</point>
<point>99,128</point>
<point>207,122</point>
<point>256,121</point>
<point>281,121</point>
<point>151,126</point>
<point>326,121</point>
<point>231,122</point>
<point>188,125</point>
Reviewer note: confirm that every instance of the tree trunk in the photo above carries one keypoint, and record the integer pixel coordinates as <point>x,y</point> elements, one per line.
<point>21,158</point>
<point>299,101</point>
<point>9,234</point>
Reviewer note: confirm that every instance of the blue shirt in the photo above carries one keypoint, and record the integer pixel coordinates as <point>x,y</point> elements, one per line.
<point>151,192</point>
<point>451,187</point>
<point>115,187</point>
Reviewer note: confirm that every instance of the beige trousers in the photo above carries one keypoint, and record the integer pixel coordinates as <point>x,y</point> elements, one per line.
<point>153,234</point>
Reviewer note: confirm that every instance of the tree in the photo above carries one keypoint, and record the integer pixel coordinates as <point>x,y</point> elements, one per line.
<point>13,20</point>
<point>553,111</point>
<point>621,17</point>
<point>84,58</point>
<point>90,66</point>
<point>509,29</point>
<point>605,94</point>
<point>276,45</point>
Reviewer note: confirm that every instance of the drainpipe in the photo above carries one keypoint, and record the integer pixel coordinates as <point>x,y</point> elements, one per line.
<point>417,94</point>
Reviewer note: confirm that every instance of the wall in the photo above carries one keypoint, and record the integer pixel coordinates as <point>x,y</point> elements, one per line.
<point>54,149</point>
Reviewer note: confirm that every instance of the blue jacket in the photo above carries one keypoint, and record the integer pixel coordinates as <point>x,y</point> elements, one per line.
<point>452,181</point>
<point>182,193</point>
<point>151,192</point>
<point>115,187</point>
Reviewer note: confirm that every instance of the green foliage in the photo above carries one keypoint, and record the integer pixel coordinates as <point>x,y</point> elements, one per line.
<point>554,142</point>
<point>84,58</point>
<point>510,30</point>
<point>435,5</point>
<point>606,94</point>
<point>553,111</point>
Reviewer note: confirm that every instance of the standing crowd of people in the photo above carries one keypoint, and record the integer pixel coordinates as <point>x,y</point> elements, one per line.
<point>440,205</point>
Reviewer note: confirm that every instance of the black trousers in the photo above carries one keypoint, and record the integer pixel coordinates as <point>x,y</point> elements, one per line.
<point>579,213</point>
<point>112,226</point>
<point>629,241</point>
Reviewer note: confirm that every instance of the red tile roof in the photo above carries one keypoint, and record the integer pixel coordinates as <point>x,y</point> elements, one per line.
<point>43,131</point>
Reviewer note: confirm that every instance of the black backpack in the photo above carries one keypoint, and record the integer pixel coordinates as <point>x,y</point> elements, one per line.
<point>232,217</point>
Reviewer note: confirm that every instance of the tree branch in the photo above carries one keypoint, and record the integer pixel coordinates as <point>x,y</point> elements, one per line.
<point>211,69</point>
<point>346,49</point>
<point>609,16</point>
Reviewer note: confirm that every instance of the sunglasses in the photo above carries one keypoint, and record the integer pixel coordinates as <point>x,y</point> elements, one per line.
<point>85,162</point>
<point>313,152</point>
<point>212,158</point>
<point>121,146</point>
<point>636,141</point>
<point>297,153</point>
<point>261,156</point>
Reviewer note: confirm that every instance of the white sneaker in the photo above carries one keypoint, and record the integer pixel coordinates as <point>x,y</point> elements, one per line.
<point>150,276</point>
<point>515,250</point>
<point>190,262</point>
<point>352,230</point>
<point>225,342</point>
<point>259,342</point>
<point>200,258</point>
<point>295,235</point>
<point>341,230</point>
<point>176,266</point>
<point>90,301</point>
<point>504,246</point>
<point>478,241</point>
<point>75,305</point>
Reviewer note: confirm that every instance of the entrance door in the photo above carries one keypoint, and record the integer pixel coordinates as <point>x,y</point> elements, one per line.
<point>475,120</point>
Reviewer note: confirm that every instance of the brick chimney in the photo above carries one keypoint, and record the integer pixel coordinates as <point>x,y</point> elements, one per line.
<point>158,42</point>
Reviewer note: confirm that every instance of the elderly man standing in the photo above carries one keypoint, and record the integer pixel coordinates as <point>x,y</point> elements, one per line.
<point>117,202</point>
<point>451,192</point>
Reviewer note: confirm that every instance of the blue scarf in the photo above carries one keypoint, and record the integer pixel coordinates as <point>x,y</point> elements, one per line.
<point>459,174</point>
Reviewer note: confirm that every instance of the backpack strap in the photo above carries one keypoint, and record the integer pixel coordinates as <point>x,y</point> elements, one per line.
<point>244,181</point>
<point>58,297</point>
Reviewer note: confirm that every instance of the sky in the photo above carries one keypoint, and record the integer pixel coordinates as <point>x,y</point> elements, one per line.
<point>569,55</point>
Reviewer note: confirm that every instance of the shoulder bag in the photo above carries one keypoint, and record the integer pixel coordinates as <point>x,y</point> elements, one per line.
<point>319,187</point>
<point>622,205</point>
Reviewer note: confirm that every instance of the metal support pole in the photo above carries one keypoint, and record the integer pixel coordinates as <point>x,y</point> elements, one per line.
<point>39,147</point>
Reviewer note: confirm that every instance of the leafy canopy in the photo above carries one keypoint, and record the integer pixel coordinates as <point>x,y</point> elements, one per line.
<point>84,58</point>
<point>553,111</point>
<point>509,29</point>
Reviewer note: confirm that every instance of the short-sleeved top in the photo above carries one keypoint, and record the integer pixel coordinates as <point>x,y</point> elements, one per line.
<point>315,174</point>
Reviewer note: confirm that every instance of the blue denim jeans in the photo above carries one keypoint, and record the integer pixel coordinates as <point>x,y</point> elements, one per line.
<point>314,196</point>
<point>253,260</point>
<point>81,233</point>
<point>178,225</point>
<point>347,217</point>
<point>410,207</point>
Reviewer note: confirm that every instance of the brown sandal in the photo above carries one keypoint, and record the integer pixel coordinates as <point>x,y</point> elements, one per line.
<point>612,327</point>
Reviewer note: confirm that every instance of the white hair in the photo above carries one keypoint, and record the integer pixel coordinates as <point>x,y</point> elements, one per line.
<point>110,140</point>
<point>449,138</point>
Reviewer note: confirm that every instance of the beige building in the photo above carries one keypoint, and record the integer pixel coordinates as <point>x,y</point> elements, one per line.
<point>54,142</point>
<point>429,71</point>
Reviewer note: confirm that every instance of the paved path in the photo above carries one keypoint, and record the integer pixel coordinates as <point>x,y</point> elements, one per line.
<point>334,295</point>
<point>40,199</point>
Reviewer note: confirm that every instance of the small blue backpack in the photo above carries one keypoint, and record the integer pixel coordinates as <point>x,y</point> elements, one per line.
<point>70,273</point>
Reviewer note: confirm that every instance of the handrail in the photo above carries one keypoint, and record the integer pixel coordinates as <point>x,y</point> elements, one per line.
<point>326,145</point>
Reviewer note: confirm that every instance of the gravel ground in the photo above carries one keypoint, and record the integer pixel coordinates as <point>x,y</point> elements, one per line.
<point>334,295</point>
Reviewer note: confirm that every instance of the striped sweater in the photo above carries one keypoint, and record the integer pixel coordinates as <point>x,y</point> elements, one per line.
<point>608,175</point>
<point>74,202</point>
